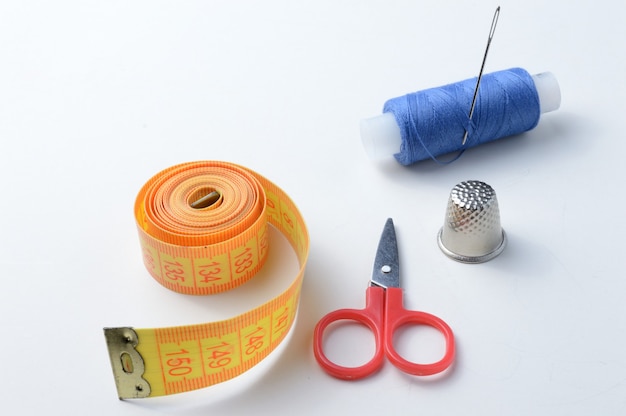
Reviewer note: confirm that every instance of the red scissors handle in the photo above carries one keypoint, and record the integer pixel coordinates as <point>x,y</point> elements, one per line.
<point>383,325</point>
<point>395,317</point>
<point>372,317</point>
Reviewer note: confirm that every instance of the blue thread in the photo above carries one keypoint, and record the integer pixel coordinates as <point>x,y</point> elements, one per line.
<point>433,121</point>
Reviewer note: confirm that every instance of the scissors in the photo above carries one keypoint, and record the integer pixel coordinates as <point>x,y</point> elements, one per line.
<point>383,315</point>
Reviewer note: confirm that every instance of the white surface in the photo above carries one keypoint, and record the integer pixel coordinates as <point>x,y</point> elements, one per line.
<point>96,97</point>
<point>381,136</point>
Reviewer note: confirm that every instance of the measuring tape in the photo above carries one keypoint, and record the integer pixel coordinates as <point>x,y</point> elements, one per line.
<point>203,229</point>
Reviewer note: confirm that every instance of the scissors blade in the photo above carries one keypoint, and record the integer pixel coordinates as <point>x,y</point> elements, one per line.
<point>386,271</point>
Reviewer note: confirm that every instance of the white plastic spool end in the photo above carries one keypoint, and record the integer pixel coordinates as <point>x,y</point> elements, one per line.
<point>548,91</point>
<point>381,135</point>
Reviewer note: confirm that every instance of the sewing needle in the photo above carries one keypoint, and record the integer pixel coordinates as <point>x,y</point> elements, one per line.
<point>482,67</point>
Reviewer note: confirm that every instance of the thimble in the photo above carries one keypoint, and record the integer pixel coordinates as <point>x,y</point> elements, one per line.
<point>471,232</point>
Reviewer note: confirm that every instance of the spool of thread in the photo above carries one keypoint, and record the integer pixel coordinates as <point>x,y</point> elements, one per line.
<point>432,122</point>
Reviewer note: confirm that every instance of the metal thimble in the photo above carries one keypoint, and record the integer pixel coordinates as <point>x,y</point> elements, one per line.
<point>471,232</point>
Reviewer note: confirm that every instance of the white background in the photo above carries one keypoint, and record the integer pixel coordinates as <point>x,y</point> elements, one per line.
<point>96,97</point>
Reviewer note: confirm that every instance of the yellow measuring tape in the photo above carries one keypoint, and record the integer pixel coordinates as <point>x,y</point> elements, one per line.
<point>203,229</point>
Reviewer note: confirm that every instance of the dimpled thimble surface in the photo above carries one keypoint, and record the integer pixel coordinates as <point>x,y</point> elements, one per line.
<point>471,232</point>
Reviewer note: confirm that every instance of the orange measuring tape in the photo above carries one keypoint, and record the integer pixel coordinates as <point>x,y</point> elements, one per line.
<point>203,229</point>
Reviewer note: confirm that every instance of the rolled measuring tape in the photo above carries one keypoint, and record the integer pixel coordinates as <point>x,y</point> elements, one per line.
<point>203,229</point>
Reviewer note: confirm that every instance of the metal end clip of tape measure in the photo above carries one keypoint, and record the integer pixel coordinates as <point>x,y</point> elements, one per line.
<point>203,230</point>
